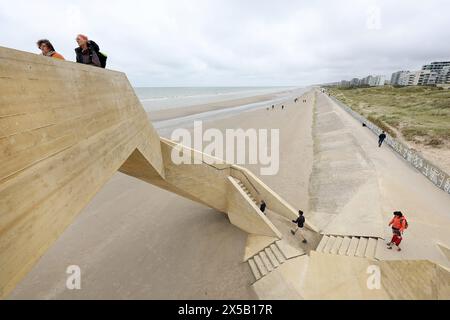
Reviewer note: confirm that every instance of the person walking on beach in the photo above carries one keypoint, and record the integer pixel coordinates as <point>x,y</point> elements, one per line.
<point>48,50</point>
<point>381,138</point>
<point>273,107</point>
<point>282,107</point>
<point>88,52</point>
<point>263,207</point>
<point>399,224</point>
<point>300,224</point>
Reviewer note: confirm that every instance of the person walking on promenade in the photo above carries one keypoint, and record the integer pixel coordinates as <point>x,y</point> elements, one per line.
<point>381,138</point>
<point>263,207</point>
<point>300,224</point>
<point>48,50</point>
<point>88,52</point>
<point>399,224</point>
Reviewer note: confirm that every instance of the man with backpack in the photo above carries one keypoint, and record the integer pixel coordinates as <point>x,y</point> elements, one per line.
<point>300,224</point>
<point>399,225</point>
<point>88,52</point>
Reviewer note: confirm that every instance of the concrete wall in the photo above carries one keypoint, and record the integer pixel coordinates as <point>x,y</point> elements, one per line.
<point>65,129</point>
<point>437,176</point>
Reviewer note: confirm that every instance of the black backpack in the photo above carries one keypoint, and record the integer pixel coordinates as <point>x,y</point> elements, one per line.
<point>101,56</point>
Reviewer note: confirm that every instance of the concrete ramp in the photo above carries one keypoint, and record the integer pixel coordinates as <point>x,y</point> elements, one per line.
<point>65,129</point>
<point>345,195</point>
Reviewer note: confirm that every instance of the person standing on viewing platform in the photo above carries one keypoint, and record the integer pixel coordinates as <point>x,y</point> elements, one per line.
<point>48,50</point>
<point>88,52</point>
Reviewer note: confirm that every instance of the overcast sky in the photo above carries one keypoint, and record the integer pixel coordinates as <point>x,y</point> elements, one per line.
<point>238,43</point>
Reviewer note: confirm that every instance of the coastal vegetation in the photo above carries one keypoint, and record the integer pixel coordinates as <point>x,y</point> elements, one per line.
<point>418,114</point>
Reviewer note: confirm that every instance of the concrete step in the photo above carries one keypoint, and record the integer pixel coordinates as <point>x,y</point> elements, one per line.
<point>322,243</point>
<point>380,250</point>
<point>371,248</point>
<point>344,246</point>
<point>261,267</point>
<point>272,257</point>
<point>280,257</point>
<point>353,246</point>
<point>362,246</point>
<point>266,261</point>
<point>329,244</point>
<point>337,244</point>
<point>254,269</point>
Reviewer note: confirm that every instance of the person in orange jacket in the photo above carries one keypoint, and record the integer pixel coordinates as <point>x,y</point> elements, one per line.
<point>48,50</point>
<point>399,224</point>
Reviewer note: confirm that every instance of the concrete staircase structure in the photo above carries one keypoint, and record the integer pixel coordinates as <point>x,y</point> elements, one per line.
<point>271,258</point>
<point>364,247</point>
<point>66,129</point>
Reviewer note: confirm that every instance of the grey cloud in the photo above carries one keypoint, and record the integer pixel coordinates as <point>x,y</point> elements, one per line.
<point>230,42</point>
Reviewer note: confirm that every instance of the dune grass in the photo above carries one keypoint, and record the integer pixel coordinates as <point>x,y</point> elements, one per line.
<point>420,114</point>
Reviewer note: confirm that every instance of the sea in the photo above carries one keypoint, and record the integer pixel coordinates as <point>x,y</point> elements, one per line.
<point>162,98</point>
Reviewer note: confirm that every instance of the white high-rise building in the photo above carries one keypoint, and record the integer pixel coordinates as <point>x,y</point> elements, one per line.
<point>435,73</point>
<point>414,77</point>
<point>400,78</point>
<point>379,80</point>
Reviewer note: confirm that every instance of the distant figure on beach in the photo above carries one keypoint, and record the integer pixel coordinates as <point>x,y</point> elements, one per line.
<point>381,138</point>
<point>88,52</point>
<point>273,107</point>
<point>282,107</point>
<point>263,207</point>
<point>300,224</point>
<point>48,50</point>
<point>296,100</point>
<point>399,224</point>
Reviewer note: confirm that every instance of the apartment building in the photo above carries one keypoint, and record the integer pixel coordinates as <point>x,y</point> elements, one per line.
<point>400,78</point>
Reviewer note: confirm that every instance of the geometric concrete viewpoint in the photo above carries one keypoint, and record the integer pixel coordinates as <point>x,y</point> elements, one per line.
<point>65,129</point>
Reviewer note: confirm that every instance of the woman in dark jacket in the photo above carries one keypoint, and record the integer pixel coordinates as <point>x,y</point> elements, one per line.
<point>87,51</point>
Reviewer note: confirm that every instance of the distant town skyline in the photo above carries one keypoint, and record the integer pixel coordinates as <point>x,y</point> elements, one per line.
<point>238,43</point>
<point>434,73</point>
